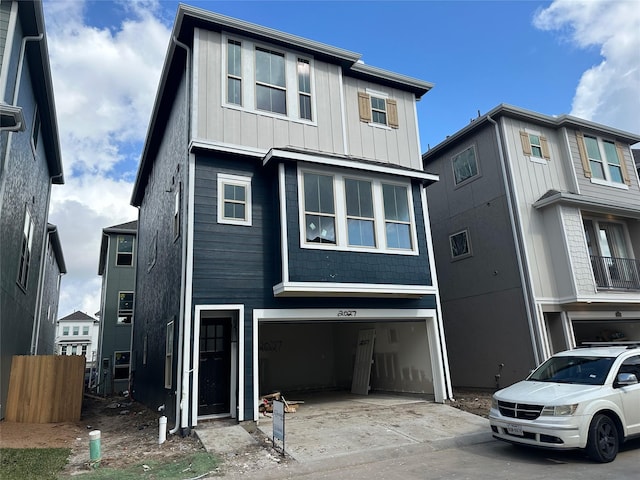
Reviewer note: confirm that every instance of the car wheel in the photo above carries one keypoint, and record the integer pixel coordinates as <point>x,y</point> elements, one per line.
<point>602,444</point>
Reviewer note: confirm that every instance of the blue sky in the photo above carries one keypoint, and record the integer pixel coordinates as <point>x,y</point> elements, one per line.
<point>579,57</point>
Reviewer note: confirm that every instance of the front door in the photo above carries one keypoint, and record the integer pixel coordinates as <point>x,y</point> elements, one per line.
<point>215,366</point>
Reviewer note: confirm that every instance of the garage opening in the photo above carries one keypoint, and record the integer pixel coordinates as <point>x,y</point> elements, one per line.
<point>311,356</point>
<point>606,330</point>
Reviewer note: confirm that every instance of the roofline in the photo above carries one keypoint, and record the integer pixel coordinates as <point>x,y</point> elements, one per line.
<point>599,205</point>
<point>547,120</point>
<point>189,17</point>
<point>104,243</point>
<point>54,238</point>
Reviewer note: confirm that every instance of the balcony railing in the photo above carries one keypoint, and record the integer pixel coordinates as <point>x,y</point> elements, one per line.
<point>616,273</point>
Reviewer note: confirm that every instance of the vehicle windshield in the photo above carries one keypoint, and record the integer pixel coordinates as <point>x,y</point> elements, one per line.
<point>580,370</point>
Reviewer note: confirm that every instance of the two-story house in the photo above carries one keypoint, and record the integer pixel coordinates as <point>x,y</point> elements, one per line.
<point>77,334</point>
<point>54,269</point>
<point>283,227</point>
<point>117,269</point>
<point>536,228</point>
<point>30,164</point>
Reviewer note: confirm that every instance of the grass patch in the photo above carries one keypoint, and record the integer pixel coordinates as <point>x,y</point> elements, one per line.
<point>188,466</point>
<point>32,463</point>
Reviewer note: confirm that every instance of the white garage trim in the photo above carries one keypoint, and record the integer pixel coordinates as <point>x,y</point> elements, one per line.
<point>348,314</point>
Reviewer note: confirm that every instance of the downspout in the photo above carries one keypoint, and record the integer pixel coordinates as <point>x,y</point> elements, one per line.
<point>524,278</point>
<point>184,321</point>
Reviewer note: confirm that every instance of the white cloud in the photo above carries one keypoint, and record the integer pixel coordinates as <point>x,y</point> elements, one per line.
<point>609,92</point>
<point>105,81</point>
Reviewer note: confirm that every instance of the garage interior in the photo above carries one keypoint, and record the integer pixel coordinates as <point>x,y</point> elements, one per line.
<point>312,356</point>
<point>606,330</point>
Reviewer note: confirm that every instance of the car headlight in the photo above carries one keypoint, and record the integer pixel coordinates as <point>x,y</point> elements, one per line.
<point>560,410</point>
<point>494,403</point>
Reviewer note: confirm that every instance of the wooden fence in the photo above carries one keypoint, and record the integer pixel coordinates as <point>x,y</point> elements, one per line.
<point>45,388</point>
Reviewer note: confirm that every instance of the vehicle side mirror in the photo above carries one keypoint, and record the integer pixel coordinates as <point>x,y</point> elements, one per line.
<point>625,379</point>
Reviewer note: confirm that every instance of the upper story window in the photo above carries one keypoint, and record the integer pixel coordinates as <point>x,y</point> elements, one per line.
<point>234,72</point>
<point>603,161</point>
<point>234,199</point>
<point>465,165</point>
<point>65,330</point>
<point>25,253</point>
<point>304,88</point>
<point>76,330</point>
<point>124,253</point>
<point>125,307</point>
<point>271,91</point>
<point>535,146</point>
<point>377,109</point>
<point>350,213</point>
<point>35,131</point>
<point>85,330</point>
<point>460,245</point>
<point>267,80</point>
<point>176,210</point>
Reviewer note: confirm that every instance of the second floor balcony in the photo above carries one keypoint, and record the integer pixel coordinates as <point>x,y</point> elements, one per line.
<point>613,273</point>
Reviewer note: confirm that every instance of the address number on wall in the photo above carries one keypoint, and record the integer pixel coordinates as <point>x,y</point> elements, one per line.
<point>347,313</point>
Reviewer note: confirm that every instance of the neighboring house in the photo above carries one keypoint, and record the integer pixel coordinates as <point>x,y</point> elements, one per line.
<point>77,334</point>
<point>45,332</point>
<point>537,234</point>
<point>282,226</point>
<point>636,159</point>
<point>117,268</point>
<point>30,163</point>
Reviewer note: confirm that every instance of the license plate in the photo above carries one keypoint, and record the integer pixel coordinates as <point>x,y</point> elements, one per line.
<point>514,430</point>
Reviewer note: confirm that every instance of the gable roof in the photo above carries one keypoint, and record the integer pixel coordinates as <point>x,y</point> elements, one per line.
<point>511,111</point>
<point>188,18</point>
<point>78,316</point>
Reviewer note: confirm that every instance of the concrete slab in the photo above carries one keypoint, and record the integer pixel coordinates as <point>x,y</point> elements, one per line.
<point>335,425</point>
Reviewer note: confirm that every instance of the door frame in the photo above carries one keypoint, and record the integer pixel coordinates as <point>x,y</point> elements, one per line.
<point>236,313</point>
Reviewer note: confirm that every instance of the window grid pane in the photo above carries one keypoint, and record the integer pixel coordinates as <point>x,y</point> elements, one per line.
<point>465,165</point>
<point>397,220</point>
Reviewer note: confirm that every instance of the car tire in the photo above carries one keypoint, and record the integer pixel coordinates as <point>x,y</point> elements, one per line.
<point>603,441</point>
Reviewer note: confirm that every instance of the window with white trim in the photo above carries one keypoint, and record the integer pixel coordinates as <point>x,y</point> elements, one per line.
<point>377,109</point>
<point>121,363</point>
<point>168,356</point>
<point>25,253</point>
<point>460,245</point>
<point>465,165</point>
<point>83,350</point>
<point>76,330</point>
<point>602,160</point>
<point>262,78</point>
<point>85,330</point>
<point>234,199</point>
<point>535,146</point>
<point>74,349</point>
<point>35,131</point>
<point>234,72</point>
<point>125,307</point>
<point>65,331</point>
<point>177,200</point>
<point>63,350</point>
<point>346,212</point>
<point>124,253</point>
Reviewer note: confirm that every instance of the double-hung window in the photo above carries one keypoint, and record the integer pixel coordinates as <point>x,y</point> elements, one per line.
<point>602,160</point>
<point>125,307</point>
<point>535,146</point>
<point>377,109</point>
<point>25,254</point>
<point>304,88</point>
<point>124,254</point>
<point>85,330</point>
<point>65,331</point>
<point>234,72</point>
<point>350,213</point>
<point>234,199</point>
<point>319,209</point>
<point>76,330</point>
<point>271,91</point>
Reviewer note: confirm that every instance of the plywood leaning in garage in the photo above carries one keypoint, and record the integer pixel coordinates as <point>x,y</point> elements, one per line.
<point>45,388</point>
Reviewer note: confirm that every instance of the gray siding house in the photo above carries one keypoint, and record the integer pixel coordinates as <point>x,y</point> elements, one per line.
<point>283,227</point>
<point>117,266</point>
<point>536,232</point>
<point>30,164</point>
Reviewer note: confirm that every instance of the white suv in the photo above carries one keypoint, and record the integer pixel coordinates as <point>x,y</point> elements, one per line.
<point>584,398</point>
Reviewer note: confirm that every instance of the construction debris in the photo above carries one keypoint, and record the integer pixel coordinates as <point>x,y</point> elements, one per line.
<point>266,403</point>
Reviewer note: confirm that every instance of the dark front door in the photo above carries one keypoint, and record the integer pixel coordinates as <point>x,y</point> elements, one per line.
<point>215,366</point>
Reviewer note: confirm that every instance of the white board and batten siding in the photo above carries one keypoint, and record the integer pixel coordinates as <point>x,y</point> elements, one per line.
<point>532,180</point>
<point>334,104</point>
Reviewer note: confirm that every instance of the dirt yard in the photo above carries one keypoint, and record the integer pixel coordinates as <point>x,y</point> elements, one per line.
<point>129,436</point>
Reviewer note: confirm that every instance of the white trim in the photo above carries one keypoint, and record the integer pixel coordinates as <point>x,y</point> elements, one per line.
<point>204,144</point>
<point>6,55</point>
<point>284,235</point>
<point>237,353</point>
<point>195,60</point>
<point>364,314</point>
<point>608,183</point>
<point>604,315</point>
<point>348,163</point>
<point>574,184</point>
<point>343,114</point>
<point>289,289</point>
<point>236,180</point>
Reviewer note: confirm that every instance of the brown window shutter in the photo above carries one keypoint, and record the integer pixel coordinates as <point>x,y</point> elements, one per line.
<point>583,155</point>
<point>623,164</point>
<point>392,113</point>
<point>545,148</point>
<point>526,144</point>
<point>364,106</point>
